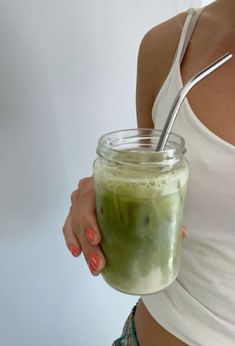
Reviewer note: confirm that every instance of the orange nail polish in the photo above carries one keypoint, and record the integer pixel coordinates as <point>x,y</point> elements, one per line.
<point>94,260</point>
<point>90,235</point>
<point>92,268</point>
<point>75,251</point>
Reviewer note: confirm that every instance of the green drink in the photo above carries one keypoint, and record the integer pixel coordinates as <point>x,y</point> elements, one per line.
<point>139,197</point>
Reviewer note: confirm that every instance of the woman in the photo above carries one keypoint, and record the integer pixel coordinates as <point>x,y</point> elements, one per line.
<point>198,309</point>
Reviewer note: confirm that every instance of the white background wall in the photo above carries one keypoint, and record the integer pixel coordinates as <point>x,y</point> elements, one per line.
<point>67,75</point>
<point>206,2</point>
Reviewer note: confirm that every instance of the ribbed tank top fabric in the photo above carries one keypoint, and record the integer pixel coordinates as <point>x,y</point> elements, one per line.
<point>199,307</point>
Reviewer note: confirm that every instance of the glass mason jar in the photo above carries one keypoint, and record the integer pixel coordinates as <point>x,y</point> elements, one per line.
<point>140,196</point>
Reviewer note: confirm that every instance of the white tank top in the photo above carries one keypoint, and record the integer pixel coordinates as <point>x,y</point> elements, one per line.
<point>199,308</point>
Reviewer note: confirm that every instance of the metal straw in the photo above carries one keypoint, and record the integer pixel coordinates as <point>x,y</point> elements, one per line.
<point>182,94</point>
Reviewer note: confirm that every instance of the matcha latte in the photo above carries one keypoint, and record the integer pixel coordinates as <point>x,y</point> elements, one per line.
<point>139,198</point>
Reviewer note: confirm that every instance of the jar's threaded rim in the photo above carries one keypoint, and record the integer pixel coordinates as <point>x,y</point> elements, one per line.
<point>141,144</point>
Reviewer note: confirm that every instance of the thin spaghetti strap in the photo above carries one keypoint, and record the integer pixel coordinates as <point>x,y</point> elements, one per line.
<point>189,30</point>
<point>181,44</point>
<point>188,27</point>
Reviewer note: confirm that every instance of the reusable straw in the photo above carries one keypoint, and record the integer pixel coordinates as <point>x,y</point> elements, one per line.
<point>181,96</point>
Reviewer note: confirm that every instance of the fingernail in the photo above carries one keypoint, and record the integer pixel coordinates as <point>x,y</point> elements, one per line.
<point>90,235</point>
<point>94,261</point>
<point>92,269</point>
<point>74,250</point>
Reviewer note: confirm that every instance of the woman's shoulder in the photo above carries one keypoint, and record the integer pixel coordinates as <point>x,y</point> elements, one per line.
<point>159,44</point>
<point>166,32</point>
<point>156,53</point>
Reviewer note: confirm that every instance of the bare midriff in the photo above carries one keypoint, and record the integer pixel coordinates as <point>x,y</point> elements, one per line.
<point>149,332</point>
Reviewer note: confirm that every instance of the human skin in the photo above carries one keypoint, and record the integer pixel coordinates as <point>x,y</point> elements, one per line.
<point>154,61</point>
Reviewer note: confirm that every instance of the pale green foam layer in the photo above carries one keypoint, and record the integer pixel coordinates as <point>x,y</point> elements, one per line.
<point>143,184</point>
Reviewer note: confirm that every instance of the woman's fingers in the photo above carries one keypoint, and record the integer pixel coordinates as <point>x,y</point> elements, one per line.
<point>93,254</point>
<point>79,242</point>
<point>81,230</point>
<point>83,201</point>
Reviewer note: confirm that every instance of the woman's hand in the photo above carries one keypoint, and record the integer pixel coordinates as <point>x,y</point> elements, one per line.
<point>80,230</point>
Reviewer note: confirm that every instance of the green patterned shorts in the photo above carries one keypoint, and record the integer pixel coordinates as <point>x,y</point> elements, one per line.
<point>128,337</point>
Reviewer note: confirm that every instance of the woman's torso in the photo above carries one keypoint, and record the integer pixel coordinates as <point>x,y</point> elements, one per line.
<point>215,94</point>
